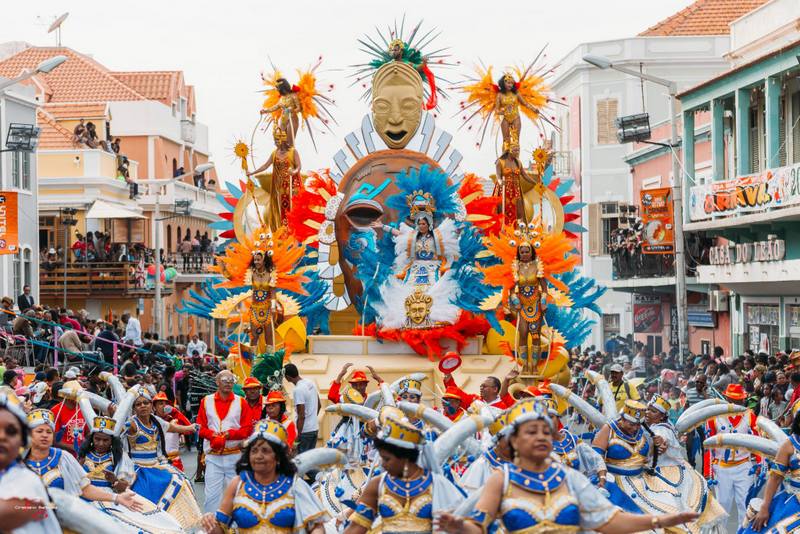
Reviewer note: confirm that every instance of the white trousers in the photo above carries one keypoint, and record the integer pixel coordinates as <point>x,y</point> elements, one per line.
<point>734,483</point>
<point>220,470</point>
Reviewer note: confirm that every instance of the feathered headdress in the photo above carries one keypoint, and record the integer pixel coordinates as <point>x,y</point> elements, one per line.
<point>424,189</point>
<point>387,47</point>
<point>313,100</point>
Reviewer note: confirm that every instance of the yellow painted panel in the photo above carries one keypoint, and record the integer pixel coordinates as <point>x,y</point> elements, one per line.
<point>51,165</point>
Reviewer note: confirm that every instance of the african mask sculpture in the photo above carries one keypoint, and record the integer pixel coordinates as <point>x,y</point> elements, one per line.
<point>397,98</point>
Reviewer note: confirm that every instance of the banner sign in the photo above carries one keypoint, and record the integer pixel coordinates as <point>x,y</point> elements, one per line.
<point>658,235</point>
<point>9,223</point>
<point>647,314</point>
<point>771,189</point>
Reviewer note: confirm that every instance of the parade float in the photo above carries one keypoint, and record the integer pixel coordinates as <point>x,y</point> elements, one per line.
<point>395,255</point>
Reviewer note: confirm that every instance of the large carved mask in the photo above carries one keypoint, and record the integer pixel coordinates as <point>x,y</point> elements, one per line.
<point>397,97</point>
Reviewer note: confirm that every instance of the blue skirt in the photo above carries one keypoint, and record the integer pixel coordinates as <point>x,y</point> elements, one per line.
<point>785,509</point>
<point>619,497</point>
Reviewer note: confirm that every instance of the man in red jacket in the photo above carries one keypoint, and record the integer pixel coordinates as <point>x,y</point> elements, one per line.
<point>225,422</point>
<point>358,381</point>
<point>253,398</point>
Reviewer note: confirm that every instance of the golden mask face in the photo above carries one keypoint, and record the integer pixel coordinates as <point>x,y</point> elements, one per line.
<point>418,307</point>
<point>396,103</point>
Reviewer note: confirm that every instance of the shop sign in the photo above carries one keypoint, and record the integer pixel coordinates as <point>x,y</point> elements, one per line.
<point>759,251</point>
<point>657,221</point>
<point>647,314</point>
<point>9,227</point>
<point>771,189</point>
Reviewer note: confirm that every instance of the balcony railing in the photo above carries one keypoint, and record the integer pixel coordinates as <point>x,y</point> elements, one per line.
<point>562,163</point>
<point>627,261</point>
<point>190,263</point>
<point>112,279</point>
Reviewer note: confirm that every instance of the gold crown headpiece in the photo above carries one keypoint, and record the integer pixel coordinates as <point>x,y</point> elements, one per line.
<point>401,433</point>
<point>528,410</point>
<point>41,417</point>
<point>660,404</point>
<point>418,297</point>
<point>104,425</point>
<point>508,76</point>
<point>263,243</point>
<point>271,431</point>
<point>409,385</point>
<point>397,42</point>
<point>279,134</point>
<point>421,202</point>
<point>529,235</point>
<point>633,411</point>
<point>500,422</point>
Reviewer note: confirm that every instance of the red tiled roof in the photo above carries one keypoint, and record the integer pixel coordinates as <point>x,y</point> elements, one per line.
<point>79,79</point>
<point>704,17</point>
<point>53,136</point>
<point>77,110</point>
<point>163,86</point>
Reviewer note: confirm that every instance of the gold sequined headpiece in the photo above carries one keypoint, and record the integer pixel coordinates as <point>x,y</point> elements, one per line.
<point>633,411</point>
<point>41,417</point>
<point>421,202</point>
<point>279,135</point>
<point>397,42</point>
<point>271,431</point>
<point>401,433</point>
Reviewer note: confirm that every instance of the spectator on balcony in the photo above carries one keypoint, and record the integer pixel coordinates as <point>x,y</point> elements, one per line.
<point>99,246</point>
<point>105,341</point>
<point>133,330</point>
<point>25,301</point>
<point>205,244</point>
<point>185,248</point>
<point>115,145</point>
<point>214,245</point>
<point>196,249</point>
<point>91,139</point>
<point>78,247</point>
<point>196,344</point>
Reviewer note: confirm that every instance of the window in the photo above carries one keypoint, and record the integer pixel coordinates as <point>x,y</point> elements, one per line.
<point>17,273</point>
<point>21,170</point>
<point>610,325</point>
<point>650,183</point>
<point>795,125</point>
<point>26,268</point>
<point>604,218</point>
<point>606,117</point>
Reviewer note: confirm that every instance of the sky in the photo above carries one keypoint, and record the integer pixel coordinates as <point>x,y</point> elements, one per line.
<point>223,47</point>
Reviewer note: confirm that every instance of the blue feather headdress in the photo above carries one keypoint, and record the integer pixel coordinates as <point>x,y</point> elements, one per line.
<point>429,182</point>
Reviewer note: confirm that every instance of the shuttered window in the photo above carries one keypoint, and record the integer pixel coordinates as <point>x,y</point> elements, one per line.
<point>595,229</point>
<point>782,134</point>
<point>755,139</point>
<point>606,115</point>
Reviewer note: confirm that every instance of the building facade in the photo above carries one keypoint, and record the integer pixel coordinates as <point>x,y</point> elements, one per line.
<point>748,202</point>
<point>153,115</point>
<point>18,174</point>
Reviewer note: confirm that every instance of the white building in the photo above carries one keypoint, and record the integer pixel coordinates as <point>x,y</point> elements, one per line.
<point>688,47</point>
<point>18,174</point>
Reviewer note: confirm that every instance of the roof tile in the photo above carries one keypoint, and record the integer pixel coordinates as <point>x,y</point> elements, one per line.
<point>703,17</point>
<point>53,136</point>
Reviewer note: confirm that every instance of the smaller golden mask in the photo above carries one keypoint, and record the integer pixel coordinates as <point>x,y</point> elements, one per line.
<point>397,97</point>
<point>418,308</point>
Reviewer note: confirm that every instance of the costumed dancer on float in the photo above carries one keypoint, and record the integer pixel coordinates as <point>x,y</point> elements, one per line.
<point>265,265</point>
<point>286,105</point>
<point>779,510</point>
<point>536,492</point>
<point>358,381</point>
<point>225,423</point>
<point>266,495</point>
<point>411,490</point>
<point>284,182</point>
<point>530,258</point>
<point>510,182</point>
<point>157,480</point>
<point>732,468</point>
<point>59,469</point>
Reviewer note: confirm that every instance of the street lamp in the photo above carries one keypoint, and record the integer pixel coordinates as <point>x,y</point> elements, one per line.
<point>157,238</point>
<point>68,220</point>
<point>46,66</point>
<point>677,191</point>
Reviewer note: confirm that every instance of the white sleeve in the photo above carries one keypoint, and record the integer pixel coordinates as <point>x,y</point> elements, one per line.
<point>19,482</point>
<point>299,396</point>
<point>308,510</point>
<point>75,478</point>
<point>163,424</point>
<point>596,510</point>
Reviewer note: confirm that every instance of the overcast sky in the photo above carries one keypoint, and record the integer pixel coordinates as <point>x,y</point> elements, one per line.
<point>222,46</point>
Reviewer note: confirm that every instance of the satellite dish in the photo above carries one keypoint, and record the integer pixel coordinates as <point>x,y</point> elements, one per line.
<point>57,23</point>
<point>56,27</point>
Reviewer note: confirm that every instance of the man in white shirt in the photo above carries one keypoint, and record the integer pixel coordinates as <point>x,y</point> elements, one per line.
<point>133,330</point>
<point>196,344</point>
<point>639,364</point>
<point>306,403</point>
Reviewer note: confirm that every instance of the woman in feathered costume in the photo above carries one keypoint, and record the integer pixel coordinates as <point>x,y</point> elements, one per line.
<point>267,264</point>
<point>285,104</point>
<point>527,93</point>
<point>529,260</point>
<point>284,183</point>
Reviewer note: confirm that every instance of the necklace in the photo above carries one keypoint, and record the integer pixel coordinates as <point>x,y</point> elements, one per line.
<point>544,482</point>
<point>407,488</point>
<point>263,492</point>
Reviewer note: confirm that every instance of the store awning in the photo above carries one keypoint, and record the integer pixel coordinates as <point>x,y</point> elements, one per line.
<point>105,210</point>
